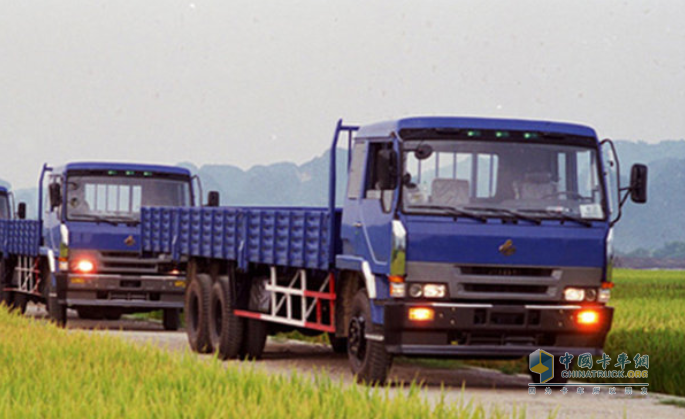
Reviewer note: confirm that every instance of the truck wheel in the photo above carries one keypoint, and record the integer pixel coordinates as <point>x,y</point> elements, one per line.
<point>339,345</point>
<point>112,314</point>
<point>90,313</point>
<point>171,318</point>
<point>57,312</point>
<point>255,339</point>
<point>369,360</point>
<point>19,302</point>
<point>197,313</point>
<point>6,297</point>
<point>225,328</point>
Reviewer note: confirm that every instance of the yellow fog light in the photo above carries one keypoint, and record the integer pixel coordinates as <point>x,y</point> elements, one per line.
<point>421,314</point>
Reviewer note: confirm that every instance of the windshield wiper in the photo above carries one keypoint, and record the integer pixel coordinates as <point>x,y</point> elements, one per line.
<point>451,210</point>
<point>513,213</point>
<point>563,215</point>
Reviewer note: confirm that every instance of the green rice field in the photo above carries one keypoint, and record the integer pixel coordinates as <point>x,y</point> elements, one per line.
<point>46,372</point>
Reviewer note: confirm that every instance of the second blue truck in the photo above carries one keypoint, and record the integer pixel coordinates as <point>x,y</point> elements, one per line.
<point>84,249</point>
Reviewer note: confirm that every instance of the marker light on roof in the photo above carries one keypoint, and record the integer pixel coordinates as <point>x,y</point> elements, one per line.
<point>473,133</point>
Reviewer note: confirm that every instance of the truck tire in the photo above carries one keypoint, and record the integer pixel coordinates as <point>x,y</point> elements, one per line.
<point>6,297</point>
<point>339,345</point>
<point>171,319</point>
<point>369,360</point>
<point>57,312</point>
<point>112,314</point>
<point>225,328</point>
<point>19,302</point>
<point>255,339</point>
<point>90,313</point>
<point>197,313</point>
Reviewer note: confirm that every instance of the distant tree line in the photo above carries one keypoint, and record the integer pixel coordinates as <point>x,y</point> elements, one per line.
<point>671,250</point>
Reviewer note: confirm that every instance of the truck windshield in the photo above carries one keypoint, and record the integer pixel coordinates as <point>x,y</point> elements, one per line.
<point>114,198</point>
<point>4,207</point>
<point>529,181</point>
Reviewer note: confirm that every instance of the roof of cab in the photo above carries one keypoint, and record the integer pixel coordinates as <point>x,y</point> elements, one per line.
<point>126,166</point>
<point>385,129</point>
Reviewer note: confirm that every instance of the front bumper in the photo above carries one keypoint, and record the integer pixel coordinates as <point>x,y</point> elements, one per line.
<point>126,291</point>
<point>494,331</point>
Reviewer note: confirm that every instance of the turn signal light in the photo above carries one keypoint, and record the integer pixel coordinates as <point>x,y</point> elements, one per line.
<point>588,317</point>
<point>421,314</point>
<point>85,266</point>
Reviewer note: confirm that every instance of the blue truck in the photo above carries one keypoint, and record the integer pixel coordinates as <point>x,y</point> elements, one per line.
<point>83,250</point>
<point>457,237</point>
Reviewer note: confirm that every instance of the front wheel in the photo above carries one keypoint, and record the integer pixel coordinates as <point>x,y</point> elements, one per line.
<point>57,312</point>
<point>369,360</point>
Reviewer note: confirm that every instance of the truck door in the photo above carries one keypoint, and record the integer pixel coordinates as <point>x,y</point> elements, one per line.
<point>375,205</point>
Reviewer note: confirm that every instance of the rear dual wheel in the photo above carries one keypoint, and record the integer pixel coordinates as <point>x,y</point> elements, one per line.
<point>197,302</point>
<point>225,328</point>
<point>233,336</point>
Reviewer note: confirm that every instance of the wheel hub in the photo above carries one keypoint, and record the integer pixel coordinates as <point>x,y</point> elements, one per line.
<point>356,338</point>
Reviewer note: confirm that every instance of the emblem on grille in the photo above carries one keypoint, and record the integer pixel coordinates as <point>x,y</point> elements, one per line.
<point>508,248</point>
<point>129,241</point>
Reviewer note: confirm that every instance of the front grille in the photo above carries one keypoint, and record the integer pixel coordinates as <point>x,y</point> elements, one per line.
<point>505,271</point>
<point>126,262</point>
<point>506,288</point>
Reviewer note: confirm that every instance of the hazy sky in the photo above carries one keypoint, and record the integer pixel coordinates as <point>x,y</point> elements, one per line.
<point>254,82</point>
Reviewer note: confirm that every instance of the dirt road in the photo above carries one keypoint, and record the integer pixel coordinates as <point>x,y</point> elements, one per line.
<point>493,389</point>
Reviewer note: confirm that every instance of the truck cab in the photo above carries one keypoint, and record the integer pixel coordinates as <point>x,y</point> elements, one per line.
<point>91,227</point>
<point>478,238</point>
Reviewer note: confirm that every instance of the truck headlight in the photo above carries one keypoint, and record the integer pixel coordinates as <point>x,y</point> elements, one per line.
<point>434,290</point>
<point>417,290</point>
<point>397,289</point>
<point>574,294</point>
<point>604,295</point>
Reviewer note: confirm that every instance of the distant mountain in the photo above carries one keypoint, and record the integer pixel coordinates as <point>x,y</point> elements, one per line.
<point>662,219</point>
<point>648,226</point>
<point>276,184</point>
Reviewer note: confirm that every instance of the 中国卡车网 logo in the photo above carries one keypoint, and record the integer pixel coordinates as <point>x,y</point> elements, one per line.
<point>542,363</point>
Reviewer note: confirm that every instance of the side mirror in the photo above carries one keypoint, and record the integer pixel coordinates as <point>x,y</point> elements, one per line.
<point>386,169</point>
<point>638,183</point>
<point>55,195</point>
<point>213,199</point>
<point>21,210</point>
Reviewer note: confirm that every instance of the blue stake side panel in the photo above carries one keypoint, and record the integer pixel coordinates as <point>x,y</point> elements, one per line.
<point>282,236</point>
<point>20,237</point>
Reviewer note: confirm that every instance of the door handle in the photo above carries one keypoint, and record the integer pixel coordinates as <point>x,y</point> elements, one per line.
<point>358,224</point>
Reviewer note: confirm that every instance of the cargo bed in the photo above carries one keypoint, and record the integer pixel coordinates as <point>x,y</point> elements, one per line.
<point>276,236</point>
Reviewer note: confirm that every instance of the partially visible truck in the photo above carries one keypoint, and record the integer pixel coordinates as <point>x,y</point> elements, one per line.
<point>458,237</point>
<point>83,250</point>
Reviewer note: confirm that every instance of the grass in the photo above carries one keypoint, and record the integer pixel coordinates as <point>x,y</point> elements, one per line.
<point>48,372</point>
<point>649,318</point>
<point>673,402</point>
